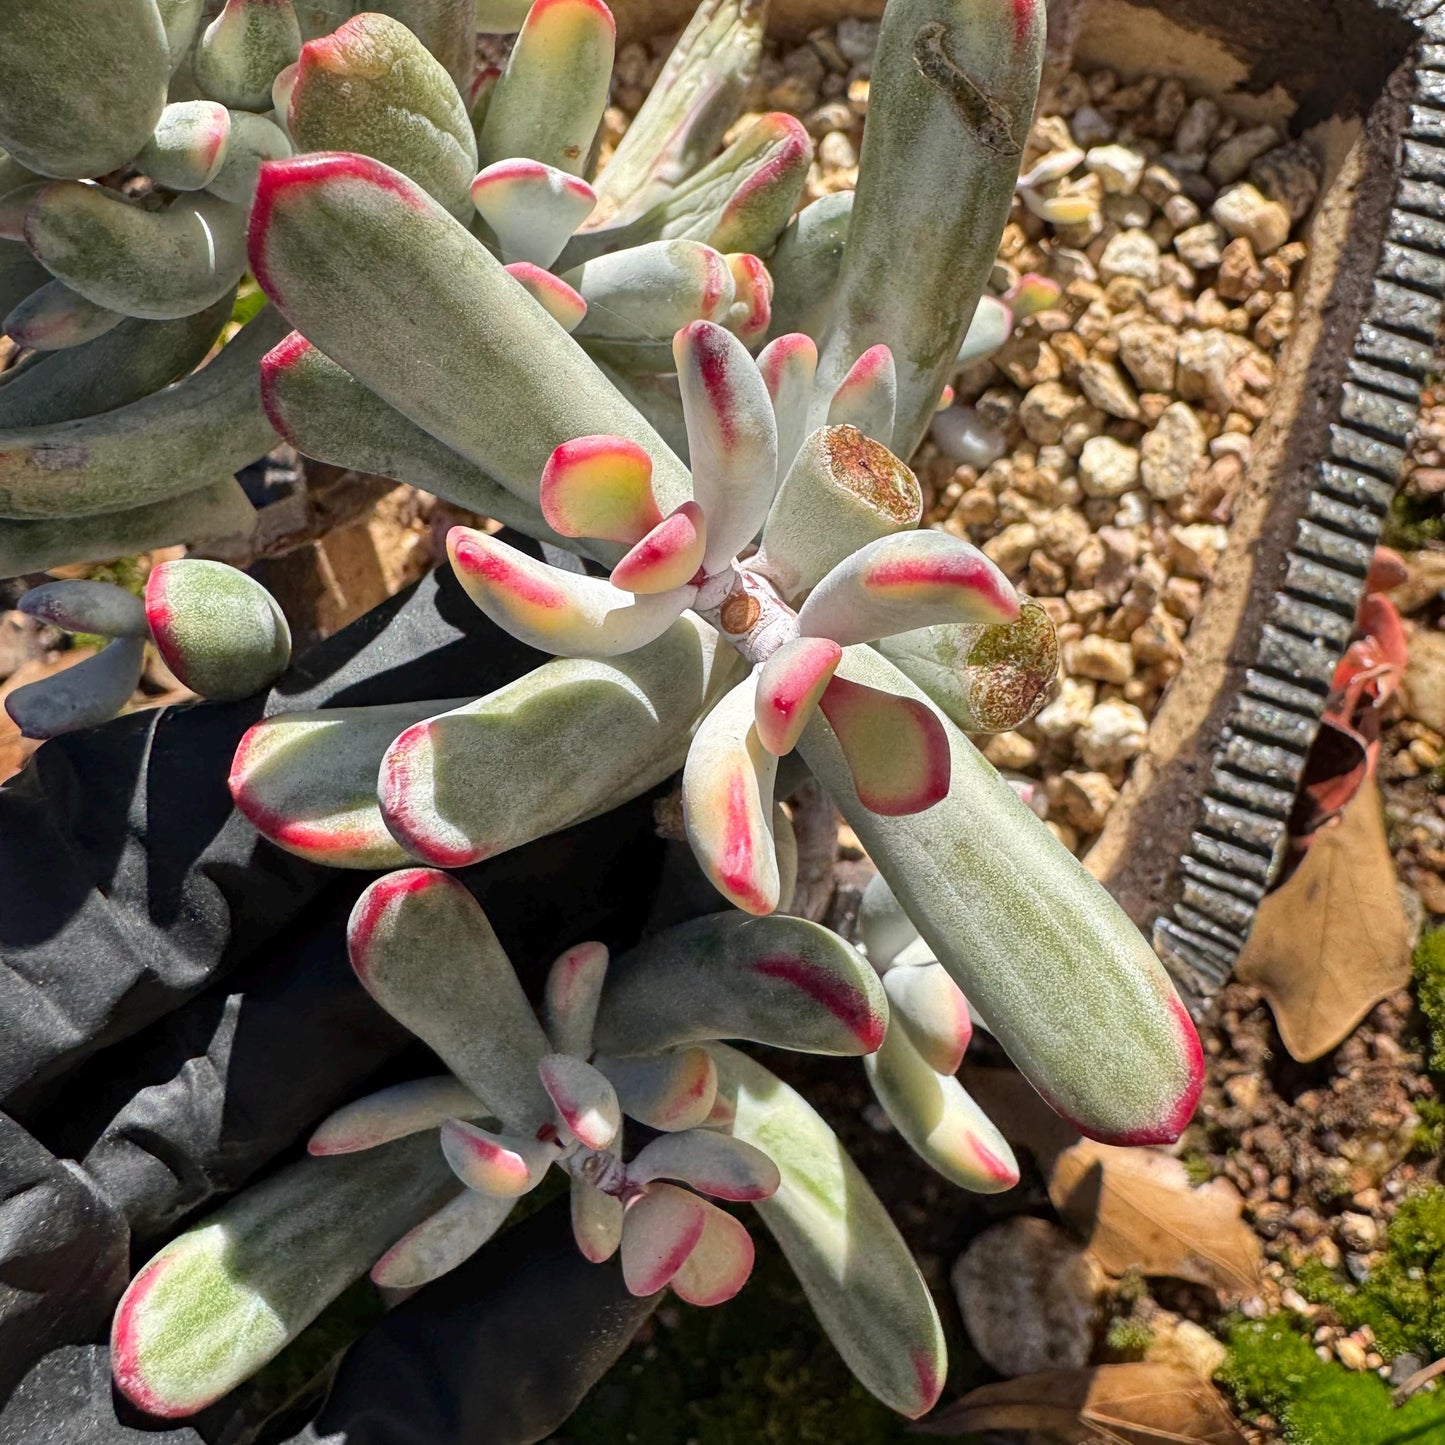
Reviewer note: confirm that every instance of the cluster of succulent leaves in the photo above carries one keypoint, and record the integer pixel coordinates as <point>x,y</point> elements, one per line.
<point>456,299</point>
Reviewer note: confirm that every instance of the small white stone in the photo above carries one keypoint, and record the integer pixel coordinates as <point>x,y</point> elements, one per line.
<point>1200,246</point>
<point>1108,468</point>
<point>1243,211</point>
<point>1169,454</point>
<point>965,438</point>
<point>1131,253</point>
<point>1067,712</point>
<point>836,153</point>
<point>1112,734</point>
<point>1118,167</point>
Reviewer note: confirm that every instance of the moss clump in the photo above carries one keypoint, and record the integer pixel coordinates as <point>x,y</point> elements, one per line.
<point>1128,1337</point>
<point>1413,523</point>
<point>1271,1368</point>
<point>1430,992</point>
<point>1403,1300</point>
<point>1429,1136</point>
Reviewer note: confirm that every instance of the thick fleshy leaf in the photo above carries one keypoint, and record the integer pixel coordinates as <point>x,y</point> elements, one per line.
<point>209,425</point>
<point>501,17</point>
<point>531,208</point>
<point>240,51</point>
<point>752,307</point>
<point>719,1264</point>
<point>55,318</point>
<point>596,1221</point>
<point>779,980</point>
<point>479,92</point>
<point>81,89</point>
<point>841,492</point>
<point>805,264</point>
<point>182,20</point>
<point>913,579</point>
<point>665,1091</point>
<point>422,947</point>
<point>82,696</point>
<point>789,686</point>
<point>992,325</point>
<point>254,141</point>
<point>307,781</point>
<point>738,202</point>
<point>218,511</point>
<point>394,1113</point>
<point>79,606</point>
<point>600,486</point>
<point>551,293</point>
<point>1069,987</point>
<point>549,102</point>
<point>727,803</point>
<point>657,398</point>
<point>189,145</point>
<point>328,235</point>
<point>504,1166</point>
<point>711,1163</point>
<point>659,1231</point>
<point>668,557</point>
<point>638,298</point>
<point>447,28</point>
<point>896,748</point>
<point>884,928</point>
<point>20,274</point>
<point>442,1241</point>
<point>324,412</point>
<point>584,1098</point>
<point>734,442</point>
<point>953,91</point>
<point>1032,293</point>
<point>931,1009</point>
<point>154,264</point>
<point>850,1259</point>
<point>219,1301</point>
<point>574,988</point>
<point>935,1114</point>
<point>372,87</point>
<point>564,613</point>
<point>13,206</point>
<point>986,678</point>
<point>787,365</point>
<point>868,395</point>
<point>571,739</point>
<point>220,631</point>
<point>692,103</point>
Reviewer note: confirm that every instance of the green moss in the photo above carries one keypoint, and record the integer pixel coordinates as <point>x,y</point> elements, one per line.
<point>755,1371</point>
<point>1273,1369</point>
<point>1128,1337</point>
<point>1413,523</point>
<point>1430,991</point>
<point>1429,1136</point>
<point>1403,1300</point>
<point>1197,1166</point>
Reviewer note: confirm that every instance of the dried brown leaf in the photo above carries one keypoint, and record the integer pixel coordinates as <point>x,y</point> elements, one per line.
<point>1135,1208</point>
<point>1334,940</point>
<point>1138,1404</point>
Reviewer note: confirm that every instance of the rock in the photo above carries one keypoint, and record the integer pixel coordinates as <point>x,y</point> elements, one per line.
<point>1028,1295</point>
<point>1117,167</point>
<point>1047,410</point>
<point>1113,733</point>
<point>23,639</point>
<point>1197,126</point>
<point>1100,658</point>
<point>1239,274</point>
<point>1358,1231</point>
<point>1182,213</point>
<point>857,39</point>
<point>1066,714</point>
<point>1352,1354</point>
<point>1242,211</point>
<point>1185,1345</point>
<point>1107,468</point>
<point>966,438</point>
<point>977,507</point>
<point>1131,253</point>
<point>1424,581</point>
<point>1423,692</point>
<point>1091,127</point>
<point>1289,174</point>
<point>1011,548</point>
<point>1084,799</point>
<point>1169,454</point>
<point>1230,160</point>
<point>1200,246</point>
<point>1027,360</point>
<point>1104,385</point>
<point>1206,361</point>
<point>1158,183</point>
<point>1010,750</point>
<point>1063,532</point>
<point>1195,550</point>
<point>1148,350</point>
<point>836,153</point>
<point>1156,639</point>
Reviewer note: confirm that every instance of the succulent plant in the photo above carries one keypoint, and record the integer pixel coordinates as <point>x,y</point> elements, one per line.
<point>635,1038</point>
<point>219,631</point>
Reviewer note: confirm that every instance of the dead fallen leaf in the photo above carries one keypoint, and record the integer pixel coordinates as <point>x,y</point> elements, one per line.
<point>1334,940</point>
<point>1136,1208</point>
<point>15,750</point>
<point>1137,1404</point>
